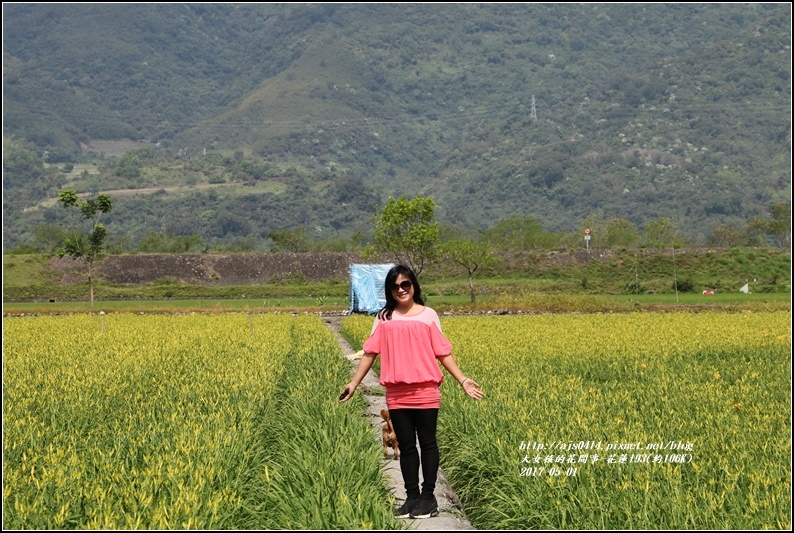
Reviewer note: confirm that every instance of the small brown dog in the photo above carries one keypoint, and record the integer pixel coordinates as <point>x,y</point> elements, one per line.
<point>389,436</point>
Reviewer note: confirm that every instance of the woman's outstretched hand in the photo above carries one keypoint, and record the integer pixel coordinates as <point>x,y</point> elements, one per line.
<point>472,388</point>
<point>347,392</point>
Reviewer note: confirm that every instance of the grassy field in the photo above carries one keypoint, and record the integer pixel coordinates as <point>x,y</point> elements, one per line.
<point>554,303</point>
<point>640,276</point>
<point>26,271</point>
<point>184,422</point>
<point>619,421</point>
<point>29,282</point>
<point>591,421</point>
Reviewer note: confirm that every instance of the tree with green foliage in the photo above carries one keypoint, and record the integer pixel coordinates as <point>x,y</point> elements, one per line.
<point>407,230</point>
<point>79,245</point>
<point>49,237</point>
<point>621,232</point>
<point>157,242</point>
<point>726,235</point>
<point>289,240</point>
<point>128,166</point>
<point>516,232</point>
<point>471,255</point>
<point>662,232</point>
<point>779,225</point>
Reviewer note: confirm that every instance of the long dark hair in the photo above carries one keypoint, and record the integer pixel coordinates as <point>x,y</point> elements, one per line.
<point>391,278</point>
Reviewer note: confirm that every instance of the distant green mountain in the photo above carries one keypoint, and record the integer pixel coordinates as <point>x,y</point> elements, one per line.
<point>559,111</point>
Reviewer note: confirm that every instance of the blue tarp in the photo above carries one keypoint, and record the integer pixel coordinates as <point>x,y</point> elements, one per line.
<point>367,288</point>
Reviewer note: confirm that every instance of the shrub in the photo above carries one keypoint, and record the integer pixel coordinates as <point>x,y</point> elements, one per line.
<point>684,286</point>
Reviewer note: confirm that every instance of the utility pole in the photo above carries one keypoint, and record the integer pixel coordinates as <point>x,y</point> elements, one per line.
<point>534,113</point>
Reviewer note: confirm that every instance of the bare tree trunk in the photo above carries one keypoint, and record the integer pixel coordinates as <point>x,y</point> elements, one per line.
<point>90,286</point>
<point>471,285</point>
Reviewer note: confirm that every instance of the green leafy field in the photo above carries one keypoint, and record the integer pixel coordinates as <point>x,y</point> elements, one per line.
<point>590,421</point>
<point>631,421</point>
<point>184,422</point>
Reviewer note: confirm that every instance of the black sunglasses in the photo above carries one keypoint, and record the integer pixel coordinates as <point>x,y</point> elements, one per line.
<point>405,285</point>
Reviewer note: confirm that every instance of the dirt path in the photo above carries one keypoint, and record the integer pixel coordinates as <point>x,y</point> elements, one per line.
<point>49,202</point>
<point>451,516</point>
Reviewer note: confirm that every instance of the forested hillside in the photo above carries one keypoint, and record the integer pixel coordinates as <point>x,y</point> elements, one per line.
<point>254,121</point>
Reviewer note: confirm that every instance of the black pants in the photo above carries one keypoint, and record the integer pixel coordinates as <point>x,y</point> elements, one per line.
<point>408,425</point>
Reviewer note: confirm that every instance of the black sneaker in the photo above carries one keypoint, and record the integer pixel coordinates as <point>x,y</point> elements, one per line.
<point>404,511</point>
<point>426,508</point>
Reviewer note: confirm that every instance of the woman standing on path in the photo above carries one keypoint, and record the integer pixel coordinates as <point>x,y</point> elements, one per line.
<point>408,337</point>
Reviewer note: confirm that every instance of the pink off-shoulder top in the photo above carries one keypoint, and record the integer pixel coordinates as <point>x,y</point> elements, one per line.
<point>409,346</point>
